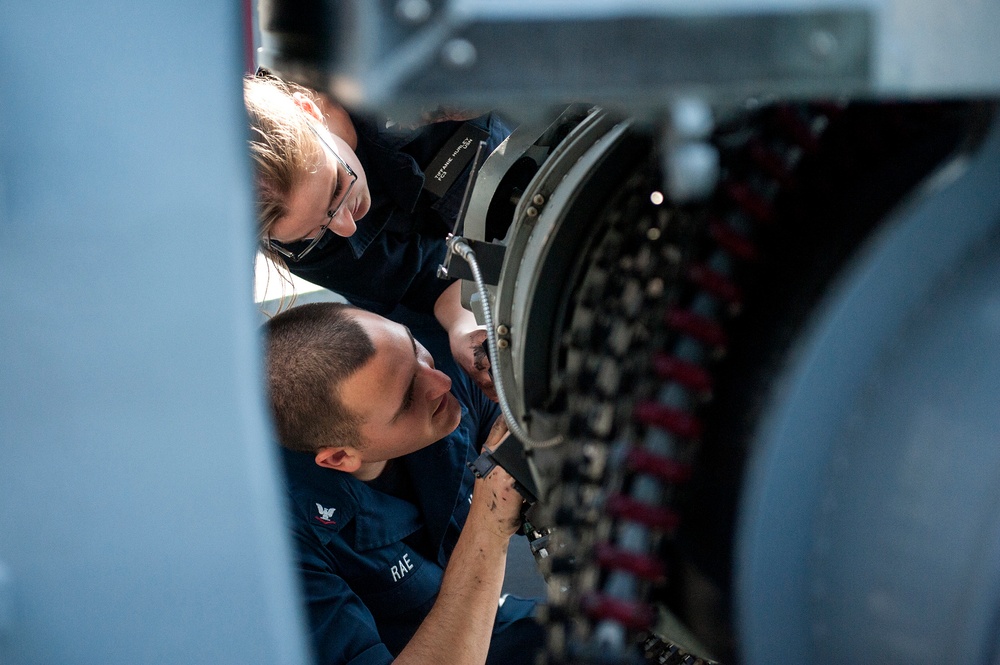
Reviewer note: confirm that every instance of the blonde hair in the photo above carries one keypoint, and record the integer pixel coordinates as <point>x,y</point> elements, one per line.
<point>284,150</point>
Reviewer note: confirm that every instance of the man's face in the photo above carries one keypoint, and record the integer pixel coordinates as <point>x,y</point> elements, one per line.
<point>404,403</point>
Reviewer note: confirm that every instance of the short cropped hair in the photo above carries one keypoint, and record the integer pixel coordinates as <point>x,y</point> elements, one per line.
<point>311,350</point>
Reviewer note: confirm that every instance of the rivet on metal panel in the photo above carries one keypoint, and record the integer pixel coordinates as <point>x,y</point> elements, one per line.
<point>458,53</point>
<point>822,44</point>
<point>413,12</point>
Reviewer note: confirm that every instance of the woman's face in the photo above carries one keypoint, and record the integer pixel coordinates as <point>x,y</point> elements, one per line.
<point>322,191</point>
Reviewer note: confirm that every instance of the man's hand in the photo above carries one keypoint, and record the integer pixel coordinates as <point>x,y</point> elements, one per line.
<point>459,627</point>
<point>495,501</point>
<point>467,348</point>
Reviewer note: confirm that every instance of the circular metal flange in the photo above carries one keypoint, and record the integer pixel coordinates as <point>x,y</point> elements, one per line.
<point>530,243</point>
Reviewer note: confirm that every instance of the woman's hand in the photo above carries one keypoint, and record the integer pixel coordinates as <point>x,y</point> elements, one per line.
<point>465,337</point>
<point>467,348</point>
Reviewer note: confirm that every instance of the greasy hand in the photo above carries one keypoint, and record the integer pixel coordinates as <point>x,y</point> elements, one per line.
<point>467,348</point>
<point>494,500</point>
<point>498,434</point>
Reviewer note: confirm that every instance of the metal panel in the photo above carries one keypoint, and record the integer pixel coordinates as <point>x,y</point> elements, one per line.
<point>938,48</point>
<point>140,513</point>
<point>471,55</point>
<point>405,55</point>
<point>626,58</point>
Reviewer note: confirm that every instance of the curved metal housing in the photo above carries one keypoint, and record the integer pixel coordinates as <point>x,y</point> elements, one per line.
<point>869,515</point>
<point>522,298</point>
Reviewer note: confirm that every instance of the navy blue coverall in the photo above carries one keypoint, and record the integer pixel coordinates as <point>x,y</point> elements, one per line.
<point>393,256</point>
<point>371,556</point>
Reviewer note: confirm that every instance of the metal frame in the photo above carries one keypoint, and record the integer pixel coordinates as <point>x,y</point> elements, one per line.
<point>402,56</point>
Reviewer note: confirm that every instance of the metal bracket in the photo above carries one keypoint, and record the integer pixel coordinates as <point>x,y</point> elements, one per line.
<point>510,456</point>
<point>490,256</point>
<point>538,539</point>
<point>483,464</point>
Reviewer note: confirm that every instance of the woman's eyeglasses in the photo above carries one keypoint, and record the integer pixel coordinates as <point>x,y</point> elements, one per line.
<point>276,247</point>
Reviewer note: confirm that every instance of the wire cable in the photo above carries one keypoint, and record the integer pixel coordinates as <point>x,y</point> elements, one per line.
<point>459,247</point>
